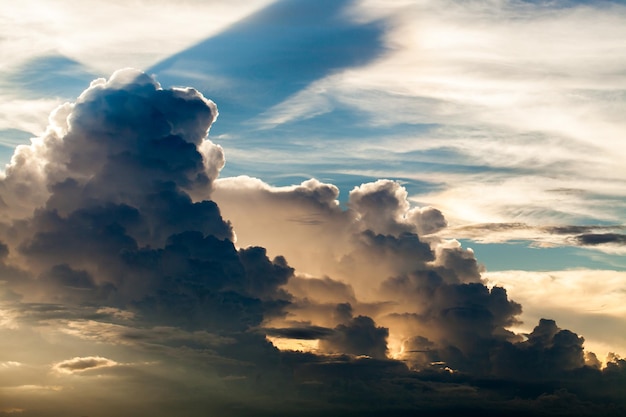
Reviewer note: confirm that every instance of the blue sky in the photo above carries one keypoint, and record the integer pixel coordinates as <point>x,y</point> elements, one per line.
<point>505,116</point>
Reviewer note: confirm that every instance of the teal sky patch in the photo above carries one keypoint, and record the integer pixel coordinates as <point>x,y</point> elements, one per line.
<point>522,256</point>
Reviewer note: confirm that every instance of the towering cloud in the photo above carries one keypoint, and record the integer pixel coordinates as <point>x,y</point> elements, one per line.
<point>117,262</point>
<point>101,214</point>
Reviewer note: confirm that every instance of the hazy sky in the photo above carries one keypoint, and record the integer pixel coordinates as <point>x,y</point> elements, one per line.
<point>403,207</point>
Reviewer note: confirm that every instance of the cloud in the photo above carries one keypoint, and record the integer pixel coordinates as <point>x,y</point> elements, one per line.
<point>426,292</point>
<point>601,239</point>
<point>359,336</point>
<point>57,29</point>
<point>304,333</point>
<point>119,239</point>
<point>113,179</point>
<point>79,365</point>
<point>592,301</point>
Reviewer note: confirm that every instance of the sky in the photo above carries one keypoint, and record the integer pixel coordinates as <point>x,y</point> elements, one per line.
<point>296,207</point>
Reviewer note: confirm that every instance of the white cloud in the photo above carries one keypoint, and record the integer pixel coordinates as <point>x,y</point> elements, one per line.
<point>83,364</point>
<point>103,36</point>
<point>29,115</point>
<point>107,35</point>
<point>9,364</point>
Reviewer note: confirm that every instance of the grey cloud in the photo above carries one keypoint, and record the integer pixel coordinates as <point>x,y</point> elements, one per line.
<point>321,289</point>
<point>562,235</point>
<point>380,207</point>
<point>359,336</point>
<point>362,244</point>
<point>73,286</point>
<point>4,251</point>
<point>496,226</point>
<point>198,281</point>
<point>437,302</point>
<point>548,352</point>
<point>571,229</point>
<point>116,224</point>
<point>456,264</point>
<point>167,339</point>
<point>601,239</point>
<point>558,230</point>
<point>453,322</point>
<point>264,277</point>
<point>120,141</point>
<point>305,333</point>
<point>428,220</point>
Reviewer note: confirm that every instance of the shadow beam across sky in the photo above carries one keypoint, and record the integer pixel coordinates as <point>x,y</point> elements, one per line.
<point>274,53</point>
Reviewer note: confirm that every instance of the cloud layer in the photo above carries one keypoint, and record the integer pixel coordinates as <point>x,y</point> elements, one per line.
<point>116,250</point>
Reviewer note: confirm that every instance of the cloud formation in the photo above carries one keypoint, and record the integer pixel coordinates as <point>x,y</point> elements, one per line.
<point>83,364</point>
<point>116,249</point>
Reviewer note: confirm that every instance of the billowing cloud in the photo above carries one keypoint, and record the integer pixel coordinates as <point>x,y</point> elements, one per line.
<point>359,336</point>
<point>100,211</point>
<point>591,301</point>
<point>118,239</point>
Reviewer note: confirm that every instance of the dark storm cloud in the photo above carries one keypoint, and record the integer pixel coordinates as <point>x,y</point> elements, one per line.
<point>203,282</point>
<point>65,276</point>
<point>117,225</point>
<point>428,220</point>
<point>359,336</point>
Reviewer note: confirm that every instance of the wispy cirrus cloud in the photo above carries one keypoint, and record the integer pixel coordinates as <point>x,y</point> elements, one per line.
<point>501,118</point>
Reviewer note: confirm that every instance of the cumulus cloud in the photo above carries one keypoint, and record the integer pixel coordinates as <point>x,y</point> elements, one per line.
<point>419,297</point>
<point>359,336</point>
<point>101,213</point>
<point>118,234</point>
